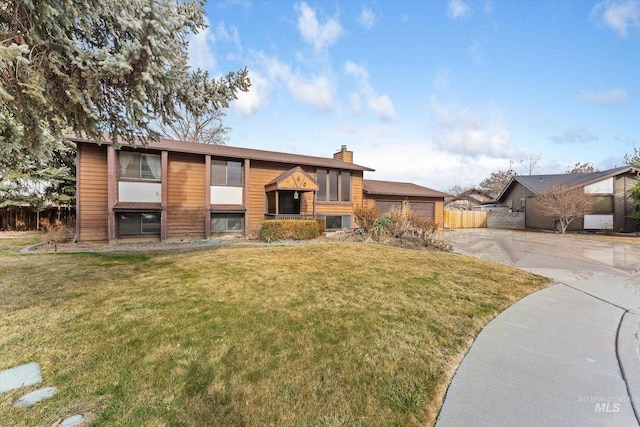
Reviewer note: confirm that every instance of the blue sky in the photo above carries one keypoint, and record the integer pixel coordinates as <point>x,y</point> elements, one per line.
<point>439,93</point>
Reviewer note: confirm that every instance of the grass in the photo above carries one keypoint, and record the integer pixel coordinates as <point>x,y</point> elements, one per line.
<point>327,334</point>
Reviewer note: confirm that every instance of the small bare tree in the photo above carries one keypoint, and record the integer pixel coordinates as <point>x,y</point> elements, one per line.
<point>205,127</point>
<point>564,204</point>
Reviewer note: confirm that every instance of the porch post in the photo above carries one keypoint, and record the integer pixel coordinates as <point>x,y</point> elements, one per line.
<point>277,207</point>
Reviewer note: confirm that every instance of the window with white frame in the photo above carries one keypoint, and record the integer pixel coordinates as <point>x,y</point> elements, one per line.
<point>139,166</point>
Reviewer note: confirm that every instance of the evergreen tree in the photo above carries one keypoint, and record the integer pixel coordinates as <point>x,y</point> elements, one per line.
<point>100,66</point>
<point>497,181</point>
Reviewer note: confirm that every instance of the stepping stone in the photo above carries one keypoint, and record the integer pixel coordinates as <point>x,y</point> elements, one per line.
<point>20,376</point>
<point>73,420</point>
<point>34,397</point>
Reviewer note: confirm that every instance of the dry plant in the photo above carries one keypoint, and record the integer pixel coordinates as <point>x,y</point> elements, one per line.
<point>59,233</point>
<point>564,204</point>
<point>366,215</point>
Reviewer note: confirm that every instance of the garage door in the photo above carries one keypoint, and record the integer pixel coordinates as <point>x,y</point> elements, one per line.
<point>385,206</point>
<point>425,210</point>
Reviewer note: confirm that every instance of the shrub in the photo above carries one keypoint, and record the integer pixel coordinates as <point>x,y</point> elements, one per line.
<point>322,225</point>
<point>382,223</point>
<point>366,216</point>
<point>61,233</point>
<point>272,230</point>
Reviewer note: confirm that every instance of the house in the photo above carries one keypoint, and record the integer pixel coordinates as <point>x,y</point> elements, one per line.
<point>170,190</point>
<point>176,189</point>
<point>404,196</point>
<point>610,190</point>
<point>466,200</point>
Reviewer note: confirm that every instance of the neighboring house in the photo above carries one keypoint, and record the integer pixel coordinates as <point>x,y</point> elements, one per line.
<point>404,196</point>
<point>467,200</point>
<point>610,190</point>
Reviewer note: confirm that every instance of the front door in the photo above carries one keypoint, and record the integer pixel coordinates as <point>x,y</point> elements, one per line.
<point>288,204</point>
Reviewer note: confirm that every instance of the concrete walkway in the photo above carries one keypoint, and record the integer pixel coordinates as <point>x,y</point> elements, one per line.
<point>567,355</point>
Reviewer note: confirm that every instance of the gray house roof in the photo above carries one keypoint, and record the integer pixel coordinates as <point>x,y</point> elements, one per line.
<point>540,183</point>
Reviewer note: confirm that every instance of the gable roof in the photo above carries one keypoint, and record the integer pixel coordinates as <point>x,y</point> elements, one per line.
<point>294,179</point>
<point>239,153</point>
<point>540,183</point>
<point>391,188</point>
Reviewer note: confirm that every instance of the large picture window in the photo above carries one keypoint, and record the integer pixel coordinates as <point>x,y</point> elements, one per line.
<point>227,222</point>
<point>138,223</point>
<point>333,185</point>
<point>140,166</point>
<point>224,172</point>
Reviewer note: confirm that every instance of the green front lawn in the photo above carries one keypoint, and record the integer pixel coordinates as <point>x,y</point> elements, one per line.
<point>318,334</point>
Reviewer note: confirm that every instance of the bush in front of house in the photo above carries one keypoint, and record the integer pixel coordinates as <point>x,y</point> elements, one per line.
<point>59,233</point>
<point>272,230</point>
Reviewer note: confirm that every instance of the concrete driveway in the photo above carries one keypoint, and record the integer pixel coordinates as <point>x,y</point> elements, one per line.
<point>567,355</point>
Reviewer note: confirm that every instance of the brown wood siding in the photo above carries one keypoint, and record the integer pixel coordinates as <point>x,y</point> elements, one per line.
<point>92,192</point>
<point>622,203</point>
<point>261,174</point>
<point>186,196</point>
<point>385,203</point>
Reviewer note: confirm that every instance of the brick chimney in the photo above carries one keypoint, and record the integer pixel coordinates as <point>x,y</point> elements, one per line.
<point>344,155</point>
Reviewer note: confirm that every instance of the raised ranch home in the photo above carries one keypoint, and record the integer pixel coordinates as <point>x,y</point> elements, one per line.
<point>610,190</point>
<point>174,189</point>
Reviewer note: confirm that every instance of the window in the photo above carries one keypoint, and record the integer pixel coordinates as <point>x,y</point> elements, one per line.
<point>225,172</point>
<point>337,222</point>
<point>321,177</point>
<point>227,222</point>
<point>333,185</point>
<point>140,166</point>
<point>138,223</point>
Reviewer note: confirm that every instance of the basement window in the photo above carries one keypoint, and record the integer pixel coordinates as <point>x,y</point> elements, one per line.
<point>227,222</point>
<point>337,222</point>
<point>138,223</point>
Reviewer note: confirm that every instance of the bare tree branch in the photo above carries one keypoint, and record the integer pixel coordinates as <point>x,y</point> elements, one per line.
<point>564,204</point>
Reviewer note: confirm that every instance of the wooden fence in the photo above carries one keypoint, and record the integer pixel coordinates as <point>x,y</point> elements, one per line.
<point>465,219</point>
<point>24,219</point>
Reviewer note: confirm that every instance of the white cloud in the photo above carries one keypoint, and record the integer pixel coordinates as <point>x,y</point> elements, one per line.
<point>574,136</point>
<point>320,36</point>
<point>317,91</point>
<point>367,18</point>
<point>248,103</point>
<point>458,9</point>
<point>619,16</point>
<point>230,34</point>
<point>476,51</point>
<point>462,131</point>
<point>613,96</point>
<point>201,53</point>
<point>355,103</point>
<point>381,105</point>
